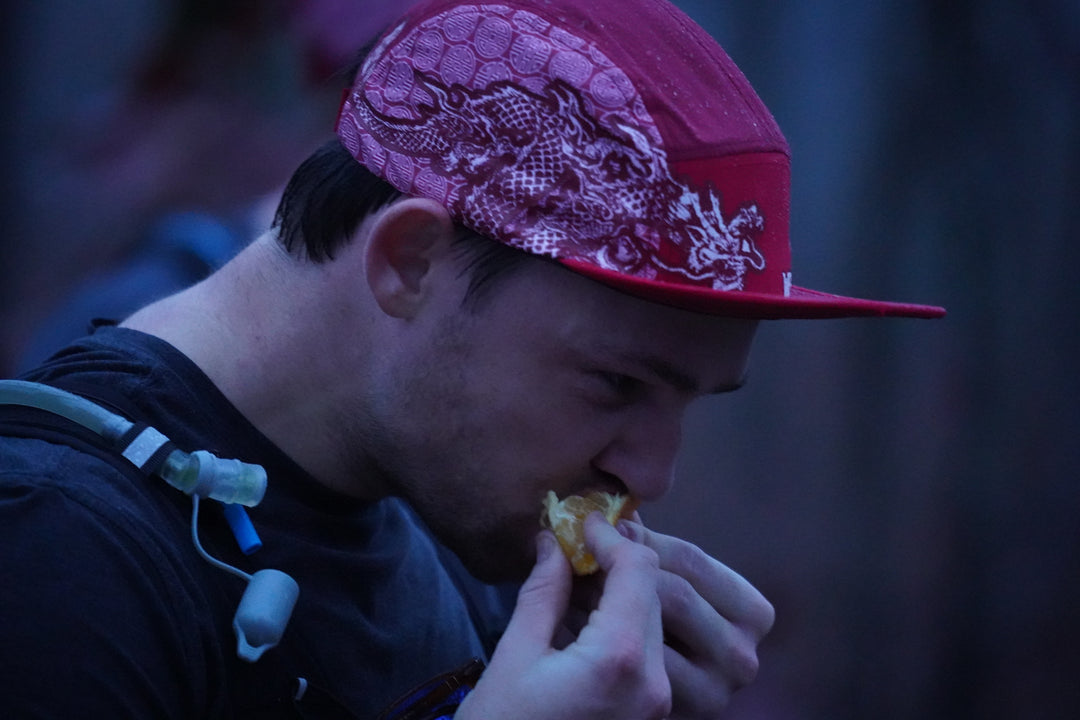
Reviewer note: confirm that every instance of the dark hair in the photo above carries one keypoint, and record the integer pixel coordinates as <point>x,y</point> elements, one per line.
<point>325,201</point>
<point>331,193</point>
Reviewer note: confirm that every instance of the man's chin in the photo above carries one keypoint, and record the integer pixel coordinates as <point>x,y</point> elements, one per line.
<point>500,557</point>
<point>494,555</point>
<point>496,568</point>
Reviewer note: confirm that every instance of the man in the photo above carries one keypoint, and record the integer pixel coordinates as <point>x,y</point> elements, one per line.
<point>546,229</point>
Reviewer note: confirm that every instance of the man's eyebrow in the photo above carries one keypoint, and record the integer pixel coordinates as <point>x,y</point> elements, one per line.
<point>678,379</point>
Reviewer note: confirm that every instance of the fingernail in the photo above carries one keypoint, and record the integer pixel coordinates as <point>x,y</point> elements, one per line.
<point>626,530</point>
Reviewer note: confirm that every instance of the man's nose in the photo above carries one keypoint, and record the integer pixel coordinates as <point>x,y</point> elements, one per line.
<point>643,454</point>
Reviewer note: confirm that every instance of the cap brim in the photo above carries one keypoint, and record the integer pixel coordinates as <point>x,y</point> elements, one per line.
<point>801,303</point>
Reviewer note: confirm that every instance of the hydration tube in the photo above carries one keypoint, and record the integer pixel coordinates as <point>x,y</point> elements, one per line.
<point>268,600</point>
<point>199,473</point>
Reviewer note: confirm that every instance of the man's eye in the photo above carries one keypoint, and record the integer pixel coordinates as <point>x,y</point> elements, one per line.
<point>622,386</point>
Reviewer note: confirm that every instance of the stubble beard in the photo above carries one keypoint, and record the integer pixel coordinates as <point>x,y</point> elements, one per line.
<point>430,451</point>
<point>494,543</point>
<point>462,505</point>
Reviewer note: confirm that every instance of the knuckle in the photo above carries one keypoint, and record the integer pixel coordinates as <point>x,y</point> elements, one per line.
<point>640,557</point>
<point>628,672</point>
<point>757,615</point>
<point>743,664</point>
<point>691,561</point>
<point>624,663</point>
<point>679,596</point>
<point>764,616</point>
<point>647,557</point>
<point>626,667</point>
<point>657,698</point>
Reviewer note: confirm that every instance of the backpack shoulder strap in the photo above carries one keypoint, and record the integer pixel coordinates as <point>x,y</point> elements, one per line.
<point>270,691</point>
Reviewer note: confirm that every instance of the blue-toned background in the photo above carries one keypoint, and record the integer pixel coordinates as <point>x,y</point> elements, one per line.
<point>906,492</point>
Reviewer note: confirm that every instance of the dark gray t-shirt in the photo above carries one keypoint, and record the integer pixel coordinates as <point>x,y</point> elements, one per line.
<point>109,612</point>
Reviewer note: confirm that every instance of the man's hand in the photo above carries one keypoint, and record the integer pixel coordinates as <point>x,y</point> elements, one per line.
<point>615,666</point>
<point>713,621</point>
<point>673,634</point>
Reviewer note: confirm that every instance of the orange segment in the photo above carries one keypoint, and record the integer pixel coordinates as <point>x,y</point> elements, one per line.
<point>566,518</point>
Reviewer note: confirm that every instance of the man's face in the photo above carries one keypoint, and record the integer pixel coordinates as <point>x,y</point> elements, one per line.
<point>553,383</point>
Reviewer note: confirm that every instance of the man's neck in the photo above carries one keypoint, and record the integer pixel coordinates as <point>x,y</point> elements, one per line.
<point>254,328</point>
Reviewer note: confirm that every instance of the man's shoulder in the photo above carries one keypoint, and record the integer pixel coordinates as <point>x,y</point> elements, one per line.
<point>95,555</point>
<point>62,481</point>
<point>67,486</point>
<point>119,362</point>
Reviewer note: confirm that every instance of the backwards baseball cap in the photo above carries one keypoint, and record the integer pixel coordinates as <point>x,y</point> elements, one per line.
<point>614,136</point>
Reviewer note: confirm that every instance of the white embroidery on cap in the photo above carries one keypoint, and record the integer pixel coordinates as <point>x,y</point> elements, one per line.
<point>546,147</point>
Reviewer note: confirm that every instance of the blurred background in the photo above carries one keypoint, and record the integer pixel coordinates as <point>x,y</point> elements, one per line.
<point>906,492</point>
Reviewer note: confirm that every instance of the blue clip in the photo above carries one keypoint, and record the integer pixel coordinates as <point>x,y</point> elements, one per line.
<point>242,529</point>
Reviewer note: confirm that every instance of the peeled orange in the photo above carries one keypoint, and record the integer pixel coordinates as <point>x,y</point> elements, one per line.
<point>566,518</point>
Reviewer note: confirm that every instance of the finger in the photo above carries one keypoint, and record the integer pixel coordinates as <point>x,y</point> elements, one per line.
<point>542,600</point>
<point>707,657</point>
<point>694,692</point>
<point>704,638</point>
<point>624,564</point>
<point>724,589</point>
<point>631,570</point>
<point>627,622</point>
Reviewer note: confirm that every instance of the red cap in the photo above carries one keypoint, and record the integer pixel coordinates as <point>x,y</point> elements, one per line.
<point>615,136</point>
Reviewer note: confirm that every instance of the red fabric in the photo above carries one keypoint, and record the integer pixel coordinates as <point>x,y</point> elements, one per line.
<point>613,135</point>
<point>802,303</point>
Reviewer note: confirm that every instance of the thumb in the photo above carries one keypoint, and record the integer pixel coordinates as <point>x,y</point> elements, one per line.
<point>542,600</point>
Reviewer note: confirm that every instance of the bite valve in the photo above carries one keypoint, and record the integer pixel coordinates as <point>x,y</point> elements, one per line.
<point>264,611</point>
<point>204,474</point>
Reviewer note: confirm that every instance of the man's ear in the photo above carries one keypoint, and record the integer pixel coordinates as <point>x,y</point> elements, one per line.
<point>407,237</point>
